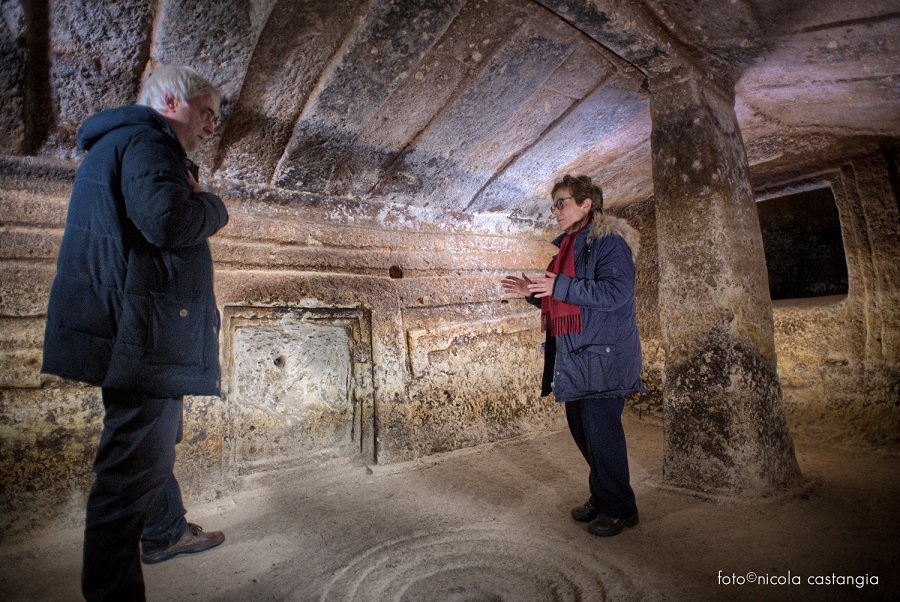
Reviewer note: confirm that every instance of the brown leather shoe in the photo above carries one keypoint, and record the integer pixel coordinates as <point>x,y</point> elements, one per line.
<point>191,541</point>
<point>604,526</point>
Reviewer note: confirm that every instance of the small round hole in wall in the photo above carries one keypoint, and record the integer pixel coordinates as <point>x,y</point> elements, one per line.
<point>280,361</point>
<point>395,271</point>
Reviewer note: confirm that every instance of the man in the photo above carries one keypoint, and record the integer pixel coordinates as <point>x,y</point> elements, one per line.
<point>132,311</point>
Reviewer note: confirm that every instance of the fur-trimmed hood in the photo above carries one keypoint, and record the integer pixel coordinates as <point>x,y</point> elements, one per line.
<point>604,225</point>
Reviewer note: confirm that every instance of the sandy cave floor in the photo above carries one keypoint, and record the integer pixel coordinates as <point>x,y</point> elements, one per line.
<point>493,524</point>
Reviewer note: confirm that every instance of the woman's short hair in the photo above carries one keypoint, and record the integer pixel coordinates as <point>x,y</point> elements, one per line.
<point>581,188</point>
<point>175,80</point>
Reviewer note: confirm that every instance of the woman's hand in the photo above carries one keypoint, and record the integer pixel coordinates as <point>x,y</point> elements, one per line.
<point>517,286</point>
<point>542,287</point>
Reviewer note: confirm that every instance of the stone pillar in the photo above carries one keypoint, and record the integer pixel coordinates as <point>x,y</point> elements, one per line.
<point>725,428</point>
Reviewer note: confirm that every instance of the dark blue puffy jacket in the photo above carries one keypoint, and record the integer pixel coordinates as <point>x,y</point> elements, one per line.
<point>604,359</point>
<point>132,304</point>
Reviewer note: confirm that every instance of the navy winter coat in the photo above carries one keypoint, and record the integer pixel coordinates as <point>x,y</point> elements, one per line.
<point>132,304</point>
<point>604,359</point>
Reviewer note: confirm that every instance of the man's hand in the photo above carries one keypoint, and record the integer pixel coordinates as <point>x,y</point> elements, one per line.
<point>196,187</point>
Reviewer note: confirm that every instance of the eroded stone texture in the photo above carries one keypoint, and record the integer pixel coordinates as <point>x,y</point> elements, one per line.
<point>300,382</point>
<point>48,442</point>
<point>20,354</point>
<point>98,51</point>
<point>720,405</point>
<point>389,42</point>
<point>726,429</point>
<point>509,78</point>
<point>284,66</point>
<point>623,27</point>
<point>437,82</point>
<point>585,124</point>
<point>836,58</point>
<point>13,75</point>
<point>304,36</point>
<point>475,380</point>
<point>829,391</point>
<point>878,225</point>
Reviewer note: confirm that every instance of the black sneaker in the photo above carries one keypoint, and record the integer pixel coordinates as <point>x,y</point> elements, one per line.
<point>604,526</point>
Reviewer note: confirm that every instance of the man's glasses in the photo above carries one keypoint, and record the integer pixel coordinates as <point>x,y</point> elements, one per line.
<point>559,203</point>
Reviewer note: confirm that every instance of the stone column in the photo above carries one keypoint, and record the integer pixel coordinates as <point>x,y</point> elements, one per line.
<point>725,428</point>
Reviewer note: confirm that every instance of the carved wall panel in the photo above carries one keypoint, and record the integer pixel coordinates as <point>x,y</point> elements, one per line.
<point>298,383</point>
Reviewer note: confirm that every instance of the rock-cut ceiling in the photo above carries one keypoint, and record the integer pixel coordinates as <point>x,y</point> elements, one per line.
<point>458,106</point>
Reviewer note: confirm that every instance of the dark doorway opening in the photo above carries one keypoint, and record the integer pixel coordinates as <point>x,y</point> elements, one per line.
<point>803,244</point>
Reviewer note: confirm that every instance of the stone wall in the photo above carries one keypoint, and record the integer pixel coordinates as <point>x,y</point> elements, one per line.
<point>342,336</point>
<point>839,356</point>
<point>349,331</point>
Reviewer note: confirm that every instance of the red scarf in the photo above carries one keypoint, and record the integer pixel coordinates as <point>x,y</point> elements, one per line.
<point>561,317</point>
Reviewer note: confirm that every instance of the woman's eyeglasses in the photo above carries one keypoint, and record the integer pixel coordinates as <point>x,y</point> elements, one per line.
<point>559,203</point>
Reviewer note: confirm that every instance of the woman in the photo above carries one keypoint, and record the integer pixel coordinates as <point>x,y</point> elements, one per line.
<point>592,357</point>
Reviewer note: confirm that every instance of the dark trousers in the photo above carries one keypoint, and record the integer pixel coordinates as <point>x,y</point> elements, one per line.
<point>596,426</point>
<point>135,493</point>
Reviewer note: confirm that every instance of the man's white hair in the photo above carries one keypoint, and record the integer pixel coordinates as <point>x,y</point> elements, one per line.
<point>181,82</point>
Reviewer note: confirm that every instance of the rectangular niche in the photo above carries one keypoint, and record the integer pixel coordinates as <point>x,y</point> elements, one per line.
<point>298,383</point>
<point>803,244</point>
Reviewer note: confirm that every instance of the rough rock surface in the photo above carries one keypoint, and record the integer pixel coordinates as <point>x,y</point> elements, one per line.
<point>385,162</point>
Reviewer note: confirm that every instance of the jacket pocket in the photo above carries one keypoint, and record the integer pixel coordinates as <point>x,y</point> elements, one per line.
<point>598,361</point>
<point>177,331</point>
<point>585,372</point>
